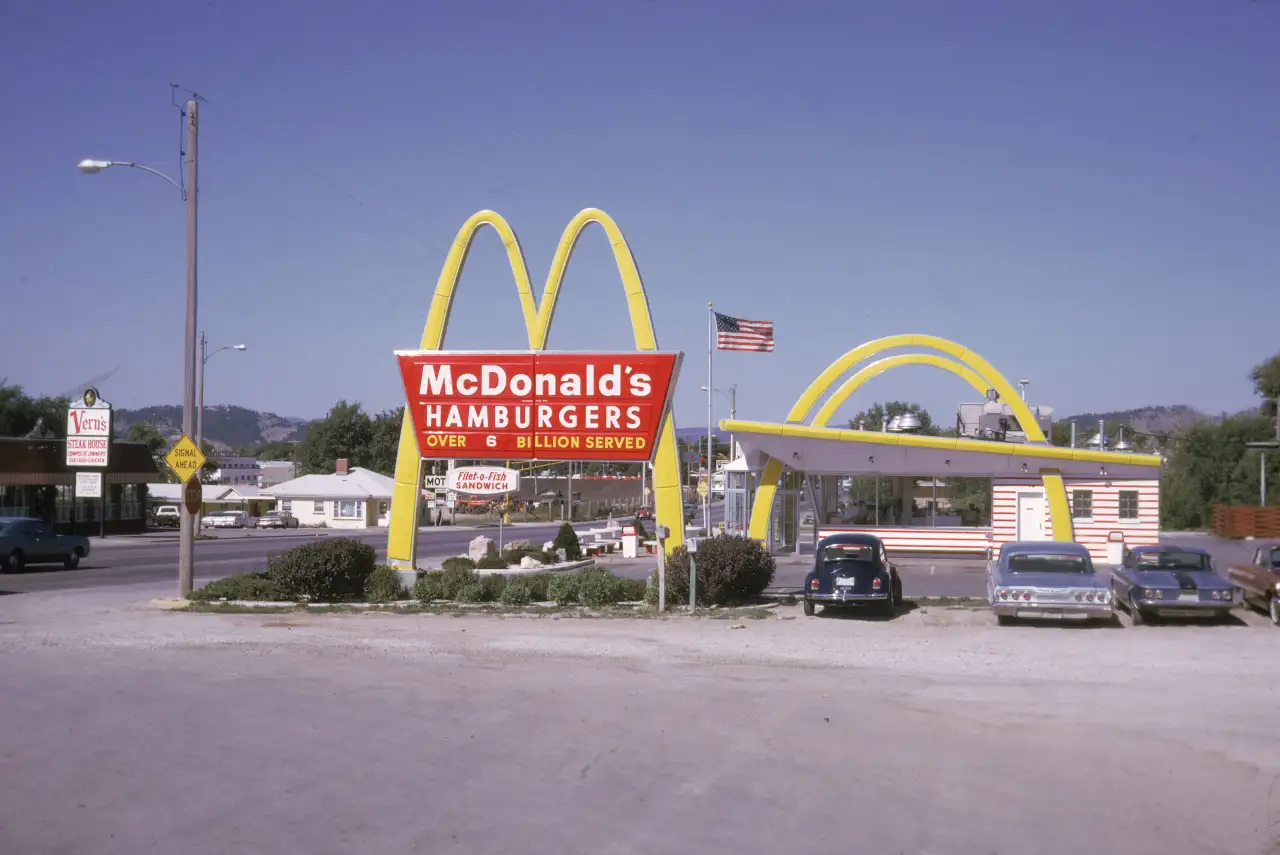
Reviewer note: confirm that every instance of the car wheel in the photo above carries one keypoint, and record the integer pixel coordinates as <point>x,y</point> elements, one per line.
<point>809,610</point>
<point>15,562</point>
<point>897,592</point>
<point>72,561</point>
<point>1136,614</point>
<point>1275,610</point>
<point>1004,620</point>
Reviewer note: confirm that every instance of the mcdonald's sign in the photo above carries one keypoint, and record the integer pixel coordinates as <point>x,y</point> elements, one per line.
<point>651,423</point>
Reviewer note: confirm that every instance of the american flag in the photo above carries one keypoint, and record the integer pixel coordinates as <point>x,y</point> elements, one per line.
<point>739,334</point>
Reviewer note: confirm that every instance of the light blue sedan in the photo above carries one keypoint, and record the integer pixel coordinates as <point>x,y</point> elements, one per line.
<point>1171,581</point>
<point>1046,580</point>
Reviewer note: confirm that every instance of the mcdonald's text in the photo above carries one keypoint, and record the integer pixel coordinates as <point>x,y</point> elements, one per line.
<point>556,406</point>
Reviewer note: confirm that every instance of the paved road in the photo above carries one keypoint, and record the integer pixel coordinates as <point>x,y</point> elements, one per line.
<point>136,732</point>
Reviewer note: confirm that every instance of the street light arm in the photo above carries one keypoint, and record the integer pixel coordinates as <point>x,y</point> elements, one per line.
<point>211,354</point>
<point>91,166</point>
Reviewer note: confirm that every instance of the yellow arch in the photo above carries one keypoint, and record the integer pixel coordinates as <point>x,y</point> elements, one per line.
<point>401,540</point>
<point>968,365</point>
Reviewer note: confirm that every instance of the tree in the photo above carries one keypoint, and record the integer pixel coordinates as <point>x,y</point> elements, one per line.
<point>1266,382</point>
<point>876,416</point>
<point>346,432</point>
<point>384,442</point>
<point>156,444</point>
<point>20,412</point>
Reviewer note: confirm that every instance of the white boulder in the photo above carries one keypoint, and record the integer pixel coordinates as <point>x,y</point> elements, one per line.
<point>481,547</point>
<point>529,563</point>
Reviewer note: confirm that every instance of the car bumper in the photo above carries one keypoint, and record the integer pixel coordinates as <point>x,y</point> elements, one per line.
<point>1053,611</point>
<point>846,597</point>
<point>1184,608</point>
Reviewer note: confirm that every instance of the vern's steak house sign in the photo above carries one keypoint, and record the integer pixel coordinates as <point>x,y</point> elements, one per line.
<point>538,405</point>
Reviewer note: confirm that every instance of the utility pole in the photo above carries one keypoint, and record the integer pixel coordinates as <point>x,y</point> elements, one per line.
<point>187,532</point>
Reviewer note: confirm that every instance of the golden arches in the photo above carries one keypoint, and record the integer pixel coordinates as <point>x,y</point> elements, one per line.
<point>401,541</point>
<point>965,364</point>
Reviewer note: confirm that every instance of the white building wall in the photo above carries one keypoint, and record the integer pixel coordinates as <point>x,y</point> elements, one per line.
<point>308,511</point>
<point>324,512</point>
<point>1093,531</point>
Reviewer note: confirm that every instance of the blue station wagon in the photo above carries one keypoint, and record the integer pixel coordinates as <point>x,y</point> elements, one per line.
<point>852,569</point>
<point>1048,580</point>
<point>24,541</point>
<point>1171,581</point>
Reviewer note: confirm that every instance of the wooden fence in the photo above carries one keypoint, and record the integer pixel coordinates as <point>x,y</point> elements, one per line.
<point>1247,521</point>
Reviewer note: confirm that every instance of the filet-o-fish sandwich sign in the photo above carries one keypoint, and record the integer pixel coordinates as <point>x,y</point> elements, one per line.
<point>483,480</point>
<point>538,405</point>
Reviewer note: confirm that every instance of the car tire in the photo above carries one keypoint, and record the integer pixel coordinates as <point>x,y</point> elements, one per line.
<point>1275,611</point>
<point>14,562</point>
<point>72,561</point>
<point>1135,613</point>
<point>809,609</point>
<point>897,591</point>
<point>1004,620</point>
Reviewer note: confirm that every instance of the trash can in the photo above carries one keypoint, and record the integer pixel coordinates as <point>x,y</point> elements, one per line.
<point>1115,548</point>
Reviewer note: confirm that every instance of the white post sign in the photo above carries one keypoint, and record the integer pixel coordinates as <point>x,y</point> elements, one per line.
<point>88,485</point>
<point>89,431</point>
<point>483,480</point>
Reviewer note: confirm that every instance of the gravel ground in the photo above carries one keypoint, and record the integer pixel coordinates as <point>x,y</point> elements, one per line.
<point>134,730</point>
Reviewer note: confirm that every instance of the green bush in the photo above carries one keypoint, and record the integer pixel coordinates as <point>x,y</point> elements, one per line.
<point>383,585</point>
<point>332,570</point>
<point>641,532</point>
<point>257,587</point>
<point>516,593</point>
<point>512,556</point>
<point>538,585</point>
<point>429,587</point>
<point>598,587</point>
<point>493,584</point>
<point>472,592</point>
<point>492,562</point>
<point>460,562</point>
<point>632,590</point>
<point>454,579</point>
<point>732,569</point>
<point>567,539</point>
<point>563,588</point>
<point>549,556</point>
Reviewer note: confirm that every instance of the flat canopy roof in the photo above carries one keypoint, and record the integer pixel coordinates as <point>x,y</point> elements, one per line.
<point>865,452</point>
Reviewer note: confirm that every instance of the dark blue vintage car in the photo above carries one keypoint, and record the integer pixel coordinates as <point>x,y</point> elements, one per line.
<point>1048,580</point>
<point>24,541</point>
<point>852,569</point>
<point>1171,581</point>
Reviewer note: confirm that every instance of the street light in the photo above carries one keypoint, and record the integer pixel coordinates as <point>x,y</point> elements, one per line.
<point>732,395</point>
<point>205,356</point>
<point>190,195</point>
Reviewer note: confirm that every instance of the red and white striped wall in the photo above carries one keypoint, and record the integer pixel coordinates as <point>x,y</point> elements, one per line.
<point>1010,496</point>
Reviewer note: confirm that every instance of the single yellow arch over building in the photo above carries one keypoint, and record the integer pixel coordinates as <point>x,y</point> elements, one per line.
<point>965,364</point>
<point>538,314</point>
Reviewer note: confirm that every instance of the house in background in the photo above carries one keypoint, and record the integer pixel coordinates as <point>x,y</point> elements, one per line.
<point>273,472</point>
<point>237,471</point>
<point>349,497</point>
<point>215,497</point>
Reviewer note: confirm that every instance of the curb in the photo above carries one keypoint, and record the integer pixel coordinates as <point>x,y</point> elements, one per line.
<point>169,605</point>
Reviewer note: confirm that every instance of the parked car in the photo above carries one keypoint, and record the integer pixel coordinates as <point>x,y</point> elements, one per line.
<point>24,541</point>
<point>166,516</point>
<point>1170,581</point>
<point>277,519</point>
<point>852,569</point>
<point>229,519</point>
<point>1259,582</point>
<point>645,513</point>
<point>1047,580</point>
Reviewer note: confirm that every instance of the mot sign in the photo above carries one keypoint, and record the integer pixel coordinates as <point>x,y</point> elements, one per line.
<point>89,431</point>
<point>484,480</point>
<point>538,405</point>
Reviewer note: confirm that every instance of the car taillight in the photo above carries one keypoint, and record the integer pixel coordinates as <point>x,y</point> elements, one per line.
<point>1004,595</point>
<point>1026,595</point>
<point>875,583</point>
<point>813,585</point>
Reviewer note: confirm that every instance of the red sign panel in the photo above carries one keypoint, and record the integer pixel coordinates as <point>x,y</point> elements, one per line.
<point>549,406</point>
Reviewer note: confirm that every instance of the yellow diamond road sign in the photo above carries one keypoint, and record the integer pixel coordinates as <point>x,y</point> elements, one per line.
<point>185,458</point>
<point>702,489</point>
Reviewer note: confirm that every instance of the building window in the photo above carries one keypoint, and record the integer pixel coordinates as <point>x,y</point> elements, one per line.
<point>317,507</point>
<point>348,509</point>
<point>286,506</point>
<point>1082,504</point>
<point>1129,505</point>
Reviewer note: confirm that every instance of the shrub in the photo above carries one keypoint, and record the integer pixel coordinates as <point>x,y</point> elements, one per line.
<point>563,589</point>
<point>512,556</point>
<point>429,587</point>
<point>461,562</point>
<point>383,585</point>
<point>567,539</point>
<point>472,592</point>
<point>454,579</point>
<point>549,556</point>
<point>332,570</point>
<point>641,532</point>
<point>598,587</point>
<point>492,561</point>
<point>516,593</point>
<point>257,587</point>
<point>632,590</point>
<point>538,585</point>
<point>494,584</point>
<point>732,569</point>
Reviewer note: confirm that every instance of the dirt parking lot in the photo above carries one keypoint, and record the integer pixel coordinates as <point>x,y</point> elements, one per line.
<point>134,730</point>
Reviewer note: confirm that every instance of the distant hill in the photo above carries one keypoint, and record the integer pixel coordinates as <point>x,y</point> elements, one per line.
<point>225,427</point>
<point>1155,420</point>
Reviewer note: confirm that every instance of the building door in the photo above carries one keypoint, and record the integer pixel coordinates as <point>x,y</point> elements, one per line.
<point>1031,517</point>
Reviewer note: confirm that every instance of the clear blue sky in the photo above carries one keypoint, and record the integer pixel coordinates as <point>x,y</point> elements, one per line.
<point>1085,192</point>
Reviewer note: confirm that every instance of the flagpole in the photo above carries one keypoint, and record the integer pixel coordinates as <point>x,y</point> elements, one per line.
<point>711,391</point>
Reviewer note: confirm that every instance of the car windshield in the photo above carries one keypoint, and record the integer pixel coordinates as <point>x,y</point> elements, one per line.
<point>848,552</point>
<point>7,526</point>
<point>1048,562</point>
<point>1173,560</point>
